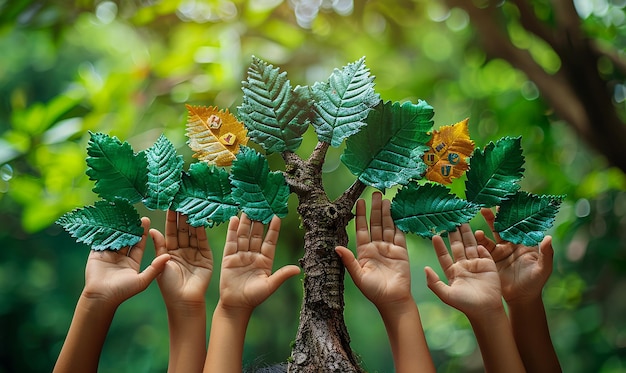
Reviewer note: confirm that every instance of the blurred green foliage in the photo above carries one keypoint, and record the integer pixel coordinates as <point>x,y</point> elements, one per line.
<point>126,68</point>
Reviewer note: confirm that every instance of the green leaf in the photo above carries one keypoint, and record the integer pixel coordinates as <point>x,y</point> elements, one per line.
<point>205,196</point>
<point>105,226</point>
<point>260,193</point>
<point>117,170</point>
<point>525,217</point>
<point>495,172</point>
<point>164,174</point>
<point>275,115</point>
<point>429,209</point>
<point>388,151</point>
<point>342,104</point>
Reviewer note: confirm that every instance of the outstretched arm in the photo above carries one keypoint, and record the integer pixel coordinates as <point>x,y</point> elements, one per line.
<point>111,277</point>
<point>523,273</point>
<point>183,284</point>
<point>474,289</point>
<point>245,282</point>
<point>382,273</point>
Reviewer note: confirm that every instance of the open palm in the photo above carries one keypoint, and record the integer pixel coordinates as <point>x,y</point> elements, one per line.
<point>186,276</point>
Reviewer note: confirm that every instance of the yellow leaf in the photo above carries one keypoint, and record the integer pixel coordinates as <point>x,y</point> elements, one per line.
<point>450,147</point>
<point>214,135</point>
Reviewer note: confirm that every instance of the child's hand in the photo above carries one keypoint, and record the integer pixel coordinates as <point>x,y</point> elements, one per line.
<point>246,279</point>
<point>474,285</point>
<point>186,276</point>
<point>113,276</point>
<point>382,270</point>
<point>523,270</point>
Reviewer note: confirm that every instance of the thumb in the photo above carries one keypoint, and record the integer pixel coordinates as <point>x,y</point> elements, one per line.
<point>159,241</point>
<point>349,261</point>
<point>281,275</point>
<point>435,284</point>
<point>154,269</point>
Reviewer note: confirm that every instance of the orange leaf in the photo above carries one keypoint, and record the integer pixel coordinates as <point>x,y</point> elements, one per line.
<point>450,146</point>
<point>214,135</point>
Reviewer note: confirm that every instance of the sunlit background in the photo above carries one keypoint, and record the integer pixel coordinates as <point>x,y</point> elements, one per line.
<point>127,68</point>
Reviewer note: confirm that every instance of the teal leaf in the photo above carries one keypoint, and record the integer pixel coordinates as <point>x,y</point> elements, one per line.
<point>430,209</point>
<point>117,170</point>
<point>276,116</point>
<point>343,103</point>
<point>525,217</point>
<point>388,151</point>
<point>495,172</point>
<point>260,193</point>
<point>106,225</point>
<point>164,174</point>
<point>205,196</point>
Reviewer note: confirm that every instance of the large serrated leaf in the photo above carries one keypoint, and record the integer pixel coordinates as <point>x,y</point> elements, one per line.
<point>495,172</point>
<point>106,225</point>
<point>343,103</point>
<point>205,196</point>
<point>117,170</point>
<point>388,151</point>
<point>164,174</point>
<point>260,193</point>
<point>525,217</point>
<point>429,209</point>
<point>275,115</point>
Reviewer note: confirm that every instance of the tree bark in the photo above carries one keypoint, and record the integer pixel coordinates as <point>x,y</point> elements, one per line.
<point>322,343</point>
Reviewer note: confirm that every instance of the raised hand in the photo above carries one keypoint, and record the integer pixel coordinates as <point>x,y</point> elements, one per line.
<point>523,270</point>
<point>186,276</point>
<point>114,276</point>
<point>381,270</point>
<point>473,283</point>
<point>246,279</point>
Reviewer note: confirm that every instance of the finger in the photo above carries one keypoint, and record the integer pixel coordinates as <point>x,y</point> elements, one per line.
<point>203,242</point>
<point>243,233</point>
<point>281,275</point>
<point>268,247</point>
<point>490,218</point>
<point>350,262</point>
<point>256,236</point>
<point>193,237</point>
<point>389,228</point>
<point>445,261</point>
<point>435,284</point>
<point>171,230</point>
<point>376,217</point>
<point>483,252</point>
<point>456,245</point>
<point>159,241</point>
<point>230,246</point>
<point>482,239</point>
<point>399,238</point>
<point>183,231</point>
<point>469,241</point>
<point>362,231</point>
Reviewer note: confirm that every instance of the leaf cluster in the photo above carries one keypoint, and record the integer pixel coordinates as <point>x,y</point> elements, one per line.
<point>387,144</point>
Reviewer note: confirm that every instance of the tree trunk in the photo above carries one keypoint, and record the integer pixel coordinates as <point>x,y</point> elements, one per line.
<point>322,343</point>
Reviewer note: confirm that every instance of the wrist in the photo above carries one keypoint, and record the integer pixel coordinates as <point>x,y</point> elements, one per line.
<point>186,309</point>
<point>97,302</point>
<point>232,312</point>
<point>484,316</point>
<point>397,307</point>
<point>524,302</point>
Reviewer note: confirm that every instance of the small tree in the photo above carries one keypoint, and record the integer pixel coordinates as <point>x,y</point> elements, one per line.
<point>387,145</point>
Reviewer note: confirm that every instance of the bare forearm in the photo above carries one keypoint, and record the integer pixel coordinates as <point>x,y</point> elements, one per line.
<point>530,329</point>
<point>228,331</point>
<point>187,326</point>
<point>497,345</point>
<point>406,337</point>
<point>85,338</point>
